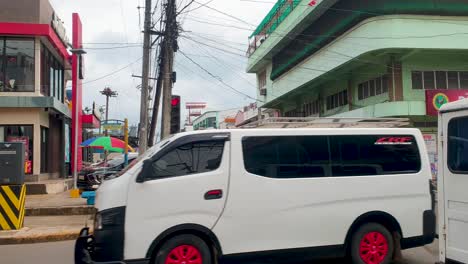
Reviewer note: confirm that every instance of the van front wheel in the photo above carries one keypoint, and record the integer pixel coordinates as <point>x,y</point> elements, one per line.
<point>372,244</point>
<point>184,249</point>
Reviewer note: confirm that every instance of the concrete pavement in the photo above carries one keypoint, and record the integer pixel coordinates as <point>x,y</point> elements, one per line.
<point>62,253</point>
<point>46,228</point>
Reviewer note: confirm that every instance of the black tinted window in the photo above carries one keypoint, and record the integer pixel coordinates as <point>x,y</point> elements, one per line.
<point>287,157</point>
<point>187,159</point>
<point>458,145</point>
<point>374,155</point>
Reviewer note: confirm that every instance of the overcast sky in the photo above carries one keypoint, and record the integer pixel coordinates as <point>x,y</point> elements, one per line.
<point>215,41</point>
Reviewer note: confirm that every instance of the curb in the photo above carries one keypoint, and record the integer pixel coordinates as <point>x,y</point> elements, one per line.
<point>40,238</point>
<point>55,211</point>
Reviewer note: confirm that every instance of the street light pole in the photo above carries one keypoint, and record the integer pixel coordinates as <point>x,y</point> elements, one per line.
<point>75,192</point>
<point>108,92</point>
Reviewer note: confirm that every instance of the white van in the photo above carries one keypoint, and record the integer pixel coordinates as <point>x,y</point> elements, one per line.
<point>282,194</point>
<point>453,182</point>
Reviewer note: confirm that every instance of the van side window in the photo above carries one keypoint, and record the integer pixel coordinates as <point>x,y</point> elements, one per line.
<point>286,156</point>
<point>364,155</point>
<point>458,145</point>
<point>191,158</point>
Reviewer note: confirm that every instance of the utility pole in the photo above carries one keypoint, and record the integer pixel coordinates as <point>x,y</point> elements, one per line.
<point>143,135</point>
<point>108,93</point>
<point>170,45</point>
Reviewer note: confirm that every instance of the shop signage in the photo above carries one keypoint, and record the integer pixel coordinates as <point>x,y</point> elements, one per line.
<point>25,141</point>
<point>435,99</point>
<point>57,25</point>
<point>112,126</point>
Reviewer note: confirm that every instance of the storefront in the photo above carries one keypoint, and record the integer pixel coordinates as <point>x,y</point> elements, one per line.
<point>35,69</point>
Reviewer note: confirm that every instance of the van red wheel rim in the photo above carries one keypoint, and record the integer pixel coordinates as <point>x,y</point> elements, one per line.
<point>373,248</point>
<point>184,254</point>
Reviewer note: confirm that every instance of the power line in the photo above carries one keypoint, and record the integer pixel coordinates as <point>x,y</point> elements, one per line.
<point>214,47</point>
<point>112,73</point>
<point>218,78</point>
<point>201,5</point>
<point>226,14</point>
<point>221,25</point>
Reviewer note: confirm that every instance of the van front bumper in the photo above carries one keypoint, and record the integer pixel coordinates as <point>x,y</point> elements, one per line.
<point>85,251</point>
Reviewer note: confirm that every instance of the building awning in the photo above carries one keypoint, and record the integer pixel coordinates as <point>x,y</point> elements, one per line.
<point>34,102</point>
<point>90,121</point>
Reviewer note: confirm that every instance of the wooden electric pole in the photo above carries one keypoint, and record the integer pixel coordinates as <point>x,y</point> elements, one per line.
<point>169,46</point>
<point>143,135</point>
<point>157,99</point>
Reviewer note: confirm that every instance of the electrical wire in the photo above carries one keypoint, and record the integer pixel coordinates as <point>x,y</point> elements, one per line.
<point>218,78</point>
<point>111,73</point>
<point>223,13</point>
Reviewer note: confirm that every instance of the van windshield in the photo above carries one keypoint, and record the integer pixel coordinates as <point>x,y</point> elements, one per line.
<point>149,153</point>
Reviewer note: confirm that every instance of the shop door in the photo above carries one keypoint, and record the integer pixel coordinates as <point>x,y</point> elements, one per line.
<point>455,181</point>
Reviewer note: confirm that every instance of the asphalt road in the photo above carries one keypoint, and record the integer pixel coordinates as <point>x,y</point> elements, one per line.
<point>62,253</point>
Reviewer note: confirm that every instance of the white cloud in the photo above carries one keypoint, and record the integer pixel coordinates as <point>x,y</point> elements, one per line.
<point>117,21</point>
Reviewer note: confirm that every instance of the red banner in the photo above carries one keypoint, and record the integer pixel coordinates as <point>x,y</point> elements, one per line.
<point>25,141</point>
<point>435,99</point>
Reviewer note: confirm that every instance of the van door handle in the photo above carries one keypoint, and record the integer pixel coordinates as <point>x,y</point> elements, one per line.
<point>214,194</point>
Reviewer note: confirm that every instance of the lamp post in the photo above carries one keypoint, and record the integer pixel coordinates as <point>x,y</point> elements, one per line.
<point>75,193</point>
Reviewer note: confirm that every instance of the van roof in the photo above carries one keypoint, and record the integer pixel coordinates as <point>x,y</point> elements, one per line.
<point>296,130</point>
<point>455,106</point>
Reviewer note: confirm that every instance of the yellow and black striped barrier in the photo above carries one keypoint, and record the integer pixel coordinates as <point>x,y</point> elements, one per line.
<point>12,203</point>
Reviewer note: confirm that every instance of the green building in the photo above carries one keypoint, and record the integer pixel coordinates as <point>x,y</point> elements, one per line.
<point>360,58</point>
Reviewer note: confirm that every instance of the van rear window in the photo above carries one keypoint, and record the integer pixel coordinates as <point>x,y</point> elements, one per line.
<point>330,156</point>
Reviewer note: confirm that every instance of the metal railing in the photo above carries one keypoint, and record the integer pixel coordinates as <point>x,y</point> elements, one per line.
<point>314,122</point>
<point>278,13</point>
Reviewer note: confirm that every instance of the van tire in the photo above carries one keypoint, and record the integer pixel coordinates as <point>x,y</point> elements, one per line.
<point>380,240</point>
<point>180,245</point>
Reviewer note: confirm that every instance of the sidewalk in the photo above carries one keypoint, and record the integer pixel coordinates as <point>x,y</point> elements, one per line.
<point>56,204</point>
<point>46,229</point>
<point>51,217</point>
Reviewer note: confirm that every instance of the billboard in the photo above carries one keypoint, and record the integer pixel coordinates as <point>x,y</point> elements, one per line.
<point>435,99</point>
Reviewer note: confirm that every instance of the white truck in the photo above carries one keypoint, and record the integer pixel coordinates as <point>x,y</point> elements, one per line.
<point>453,182</point>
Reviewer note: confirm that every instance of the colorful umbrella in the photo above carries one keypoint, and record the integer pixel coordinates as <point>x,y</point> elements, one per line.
<point>107,143</point>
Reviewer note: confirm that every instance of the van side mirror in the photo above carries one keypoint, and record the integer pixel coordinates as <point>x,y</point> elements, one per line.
<point>146,169</point>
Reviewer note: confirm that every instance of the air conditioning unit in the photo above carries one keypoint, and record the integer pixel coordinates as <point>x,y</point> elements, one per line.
<point>263,91</point>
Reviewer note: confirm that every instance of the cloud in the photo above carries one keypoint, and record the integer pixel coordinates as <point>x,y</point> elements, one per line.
<point>217,48</point>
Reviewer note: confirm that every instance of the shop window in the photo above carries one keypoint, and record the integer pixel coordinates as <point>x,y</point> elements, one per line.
<point>373,87</point>
<point>23,134</point>
<point>262,80</point>
<point>452,80</point>
<point>311,108</point>
<point>17,65</point>
<point>337,100</point>
<point>442,80</point>
<point>463,80</point>
<point>52,75</point>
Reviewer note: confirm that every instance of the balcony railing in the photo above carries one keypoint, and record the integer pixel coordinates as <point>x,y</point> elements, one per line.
<point>278,14</point>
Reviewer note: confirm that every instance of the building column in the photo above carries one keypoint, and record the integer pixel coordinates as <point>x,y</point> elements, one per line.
<point>395,80</point>
<point>350,94</point>
<point>37,149</point>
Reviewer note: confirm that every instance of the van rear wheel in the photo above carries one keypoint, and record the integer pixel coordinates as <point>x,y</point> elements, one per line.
<point>372,244</point>
<point>184,249</point>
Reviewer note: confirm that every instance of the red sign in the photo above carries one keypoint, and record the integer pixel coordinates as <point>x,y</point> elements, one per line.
<point>435,99</point>
<point>25,141</point>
